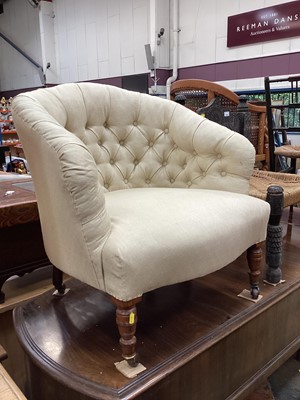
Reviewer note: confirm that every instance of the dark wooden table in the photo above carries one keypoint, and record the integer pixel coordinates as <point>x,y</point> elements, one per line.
<point>21,244</point>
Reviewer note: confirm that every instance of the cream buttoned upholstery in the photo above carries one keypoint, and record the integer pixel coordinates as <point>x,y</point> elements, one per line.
<point>136,192</point>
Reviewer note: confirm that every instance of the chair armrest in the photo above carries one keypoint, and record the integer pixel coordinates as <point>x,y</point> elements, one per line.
<point>67,188</point>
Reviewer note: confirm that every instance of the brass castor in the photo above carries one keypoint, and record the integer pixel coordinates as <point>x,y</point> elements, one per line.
<point>133,361</point>
<point>255,292</point>
<point>61,289</point>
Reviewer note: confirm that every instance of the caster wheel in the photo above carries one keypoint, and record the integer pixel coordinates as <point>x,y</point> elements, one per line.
<point>254,293</point>
<point>61,289</point>
<point>134,361</point>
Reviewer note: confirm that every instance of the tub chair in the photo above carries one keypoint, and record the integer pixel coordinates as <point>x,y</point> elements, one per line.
<point>136,192</point>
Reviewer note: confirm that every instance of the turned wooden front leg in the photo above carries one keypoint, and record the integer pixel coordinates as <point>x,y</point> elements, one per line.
<point>126,318</point>
<point>254,257</point>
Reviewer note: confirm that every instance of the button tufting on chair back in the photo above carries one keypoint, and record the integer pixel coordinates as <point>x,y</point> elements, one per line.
<point>135,142</point>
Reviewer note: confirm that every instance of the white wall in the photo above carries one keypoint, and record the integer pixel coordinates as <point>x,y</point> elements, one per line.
<point>100,38</point>
<point>20,24</point>
<point>97,39</point>
<point>47,38</point>
<point>203,36</point>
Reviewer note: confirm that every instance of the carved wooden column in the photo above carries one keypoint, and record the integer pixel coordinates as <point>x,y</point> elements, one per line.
<point>274,235</point>
<point>126,318</point>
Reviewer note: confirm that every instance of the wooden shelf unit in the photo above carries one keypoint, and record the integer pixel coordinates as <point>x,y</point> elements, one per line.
<point>9,135</point>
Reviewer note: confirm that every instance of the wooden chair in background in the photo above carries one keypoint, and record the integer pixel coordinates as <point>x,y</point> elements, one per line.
<point>283,116</point>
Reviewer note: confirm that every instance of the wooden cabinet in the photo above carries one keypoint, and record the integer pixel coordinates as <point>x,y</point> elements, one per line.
<point>22,247</point>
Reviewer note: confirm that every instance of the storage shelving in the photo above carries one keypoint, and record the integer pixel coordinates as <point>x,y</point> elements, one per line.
<point>8,136</point>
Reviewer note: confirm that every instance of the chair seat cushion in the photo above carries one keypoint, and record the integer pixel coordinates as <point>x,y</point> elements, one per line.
<point>204,231</point>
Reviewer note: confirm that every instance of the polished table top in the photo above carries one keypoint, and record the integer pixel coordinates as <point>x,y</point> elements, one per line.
<point>22,246</point>
<point>17,201</point>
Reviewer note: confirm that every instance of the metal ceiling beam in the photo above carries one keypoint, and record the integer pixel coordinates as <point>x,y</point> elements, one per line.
<point>31,60</point>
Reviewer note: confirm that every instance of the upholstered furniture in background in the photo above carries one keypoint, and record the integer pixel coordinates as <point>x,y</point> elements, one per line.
<point>136,192</point>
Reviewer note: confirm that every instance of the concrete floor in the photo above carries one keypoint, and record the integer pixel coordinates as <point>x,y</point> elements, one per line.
<point>285,382</point>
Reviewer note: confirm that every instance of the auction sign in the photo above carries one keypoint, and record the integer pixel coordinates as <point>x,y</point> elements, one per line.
<point>271,23</point>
